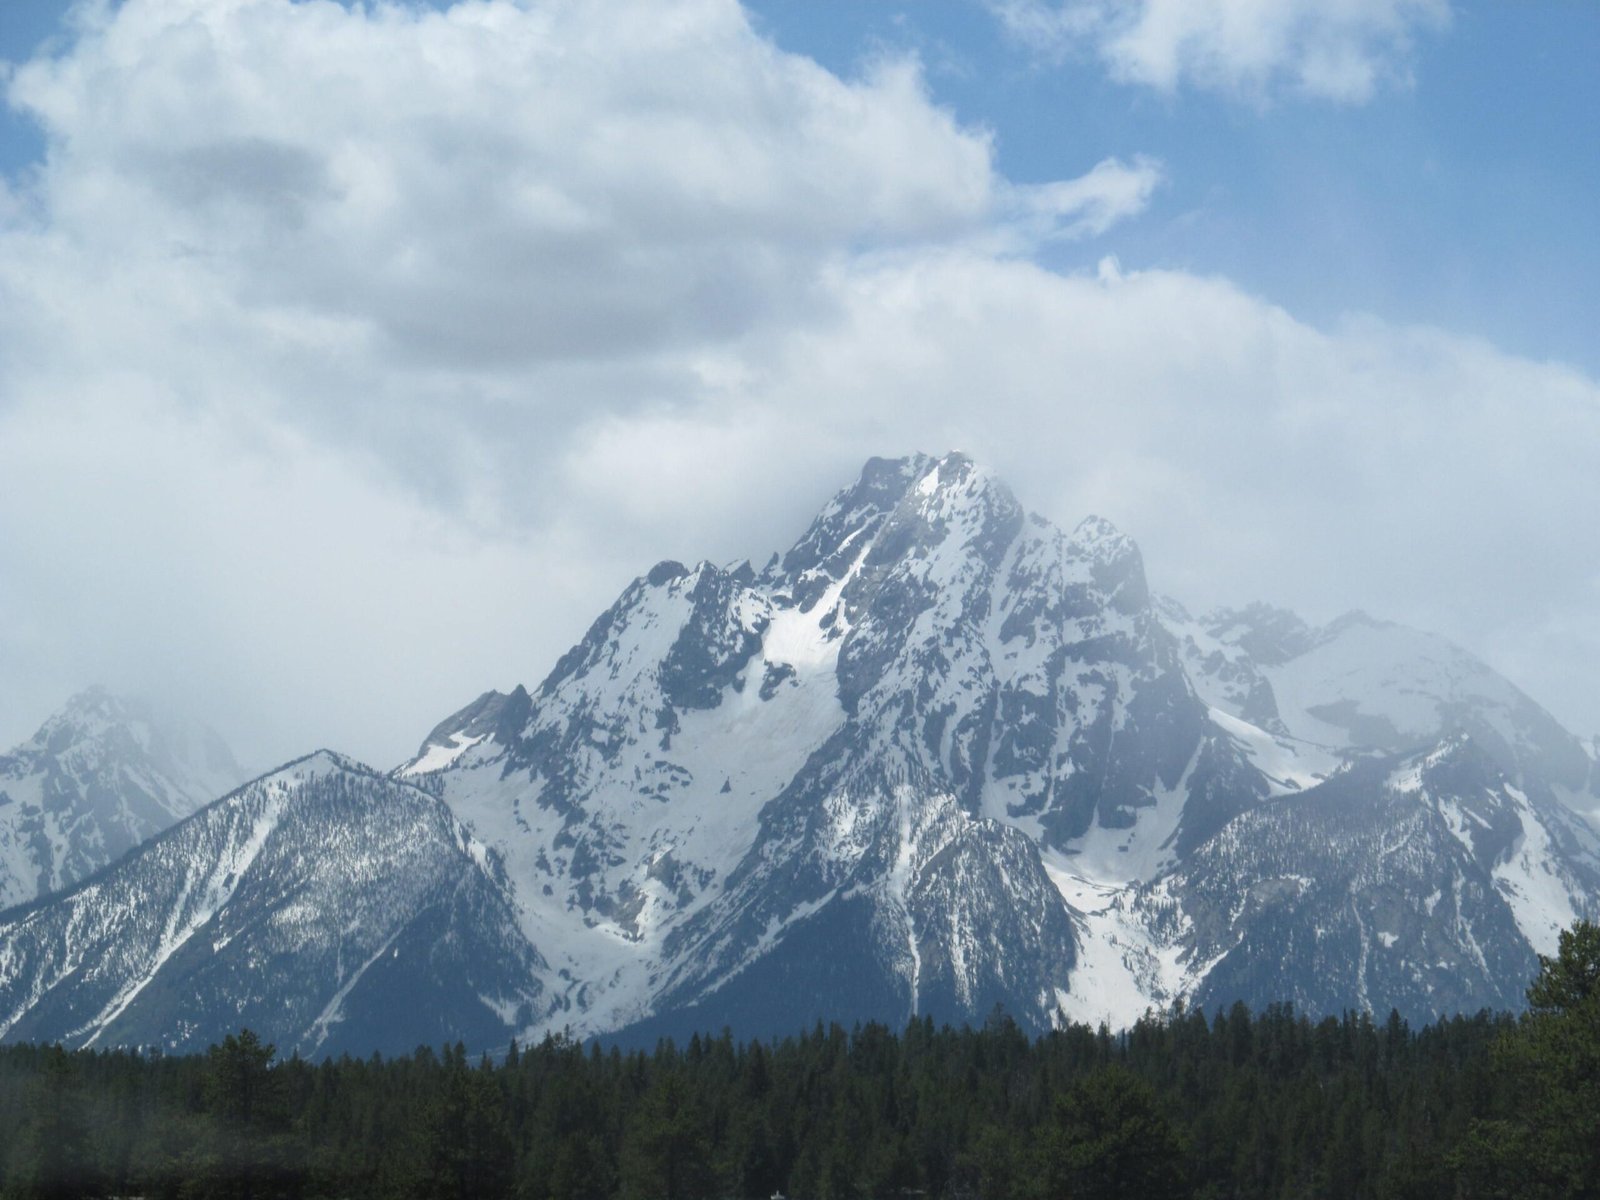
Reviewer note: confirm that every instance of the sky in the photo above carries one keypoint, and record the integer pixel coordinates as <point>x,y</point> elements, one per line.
<point>354,356</point>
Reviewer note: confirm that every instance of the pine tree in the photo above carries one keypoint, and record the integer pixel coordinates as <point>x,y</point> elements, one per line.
<point>1546,1143</point>
<point>51,1159</point>
<point>667,1155</point>
<point>1110,1140</point>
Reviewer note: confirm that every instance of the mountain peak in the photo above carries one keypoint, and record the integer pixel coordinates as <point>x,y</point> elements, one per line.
<point>85,713</point>
<point>1114,562</point>
<point>1354,619</point>
<point>494,717</point>
<point>323,762</point>
<point>1268,634</point>
<point>98,777</point>
<point>94,698</point>
<point>957,479</point>
<point>1098,538</point>
<point>943,751</point>
<point>665,571</point>
<point>99,726</point>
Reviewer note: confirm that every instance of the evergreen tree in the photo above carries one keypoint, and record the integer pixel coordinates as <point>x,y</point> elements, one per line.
<point>1110,1140</point>
<point>667,1155</point>
<point>242,1154</point>
<point>1546,1143</point>
<point>50,1159</point>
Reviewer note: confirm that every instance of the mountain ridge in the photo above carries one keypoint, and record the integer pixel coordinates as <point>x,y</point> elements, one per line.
<point>939,755</point>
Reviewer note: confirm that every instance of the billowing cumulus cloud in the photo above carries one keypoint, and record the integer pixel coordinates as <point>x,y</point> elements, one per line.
<point>354,358</point>
<point>516,215</point>
<point>1340,50</point>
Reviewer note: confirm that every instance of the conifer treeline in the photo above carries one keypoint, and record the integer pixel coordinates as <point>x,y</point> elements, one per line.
<point>1184,1104</point>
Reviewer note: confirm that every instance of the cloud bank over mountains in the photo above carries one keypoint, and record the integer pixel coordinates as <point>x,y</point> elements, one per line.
<point>353,356</point>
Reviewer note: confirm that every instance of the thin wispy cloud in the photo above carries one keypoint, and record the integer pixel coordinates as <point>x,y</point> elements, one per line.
<point>1343,51</point>
<point>1087,206</point>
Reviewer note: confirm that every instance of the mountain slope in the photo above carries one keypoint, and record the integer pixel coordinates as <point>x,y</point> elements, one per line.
<point>1426,883</point>
<point>941,754</point>
<point>325,906</point>
<point>97,779</point>
<point>1360,684</point>
<point>862,747</point>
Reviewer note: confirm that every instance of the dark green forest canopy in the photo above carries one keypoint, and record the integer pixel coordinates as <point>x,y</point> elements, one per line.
<point>1184,1104</point>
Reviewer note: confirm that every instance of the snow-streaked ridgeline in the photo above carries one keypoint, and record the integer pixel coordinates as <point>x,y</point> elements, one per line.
<point>939,756</point>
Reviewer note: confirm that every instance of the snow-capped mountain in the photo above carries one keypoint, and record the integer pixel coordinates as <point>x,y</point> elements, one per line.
<point>940,755</point>
<point>1362,684</point>
<point>733,769</point>
<point>326,906</point>
<point>98,778</point>
<point>1426,883</point>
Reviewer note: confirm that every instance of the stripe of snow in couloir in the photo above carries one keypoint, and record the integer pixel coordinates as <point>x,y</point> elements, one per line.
<point>899,885</point>
<point>1531,880</point>
<point>187,912</point>
<point>185,920</point>
<point>1117,975</point>
<point>333,1012</point>
<point>1122,969</point>
<point>1138,853</point>
<point>1289,765</point>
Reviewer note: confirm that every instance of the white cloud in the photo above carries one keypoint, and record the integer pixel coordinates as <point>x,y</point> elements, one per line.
<point>1089,205</point>
<point>1422,476</point>
<point>1340,50</point>
<point>492,184</point>
<point>454,251</point>
<point>352,359</point>
<point>511,202</point>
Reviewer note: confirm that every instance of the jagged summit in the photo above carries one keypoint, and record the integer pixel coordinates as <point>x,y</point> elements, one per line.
<point>928,681</point>
<point>94,707</point>
<point>494,715</point>
<point>1102,540</point>
<point>726,755</point>
<point>1270,635</point>
<point>97,721</point>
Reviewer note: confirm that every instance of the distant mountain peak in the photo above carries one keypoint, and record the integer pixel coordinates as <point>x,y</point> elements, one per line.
<point>1100,537</point>
<point>87,713</point>
<point>1268,634</point>
<point>101,775</point>
<point>1355,618</point>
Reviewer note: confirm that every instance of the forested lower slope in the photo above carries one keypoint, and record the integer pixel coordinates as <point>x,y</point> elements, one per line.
<point>1231,1104</point>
